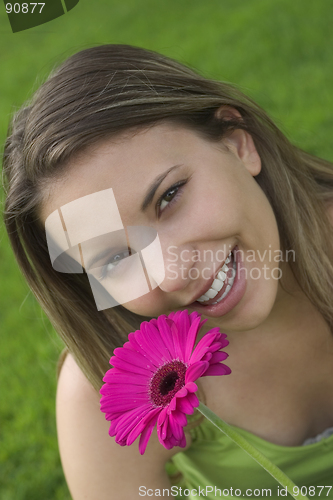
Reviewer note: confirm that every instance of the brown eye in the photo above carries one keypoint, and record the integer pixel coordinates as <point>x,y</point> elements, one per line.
<point>168,197</point>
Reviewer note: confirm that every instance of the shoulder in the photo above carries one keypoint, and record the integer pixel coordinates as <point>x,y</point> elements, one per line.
<point>94,465</point>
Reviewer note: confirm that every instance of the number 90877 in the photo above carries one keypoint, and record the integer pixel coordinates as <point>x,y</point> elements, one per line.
<point>24,8</point>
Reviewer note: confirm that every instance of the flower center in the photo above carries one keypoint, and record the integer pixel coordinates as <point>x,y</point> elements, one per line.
<point>166,382</point>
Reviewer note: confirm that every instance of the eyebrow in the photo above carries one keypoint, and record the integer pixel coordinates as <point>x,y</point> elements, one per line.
<point>153,187</point>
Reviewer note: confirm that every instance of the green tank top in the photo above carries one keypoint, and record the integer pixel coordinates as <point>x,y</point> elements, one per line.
<point>215,467</point>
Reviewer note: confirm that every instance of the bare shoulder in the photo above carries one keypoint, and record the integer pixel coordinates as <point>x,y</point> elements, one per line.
<point>95,466</point>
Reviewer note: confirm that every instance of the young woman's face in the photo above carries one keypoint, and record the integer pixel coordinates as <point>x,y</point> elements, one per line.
<point>206,204</point>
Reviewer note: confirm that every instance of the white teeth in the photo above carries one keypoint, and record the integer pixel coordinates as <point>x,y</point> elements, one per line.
<point>224,293</point>
<point>211,293</point>
<point>228,287</point>
<point>203,298</point>
<point>218,284</point>
<point>221,275</point>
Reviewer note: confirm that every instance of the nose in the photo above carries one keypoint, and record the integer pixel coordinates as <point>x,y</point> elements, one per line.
<point>178,261</point>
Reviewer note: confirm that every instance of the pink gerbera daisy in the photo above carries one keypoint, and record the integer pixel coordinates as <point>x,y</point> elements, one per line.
<point>153,378</point>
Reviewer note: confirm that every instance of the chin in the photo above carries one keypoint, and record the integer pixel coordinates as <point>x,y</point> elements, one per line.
<point>255,310</point>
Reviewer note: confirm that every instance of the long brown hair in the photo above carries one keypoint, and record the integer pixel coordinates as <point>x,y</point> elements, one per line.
<point>110,89</point>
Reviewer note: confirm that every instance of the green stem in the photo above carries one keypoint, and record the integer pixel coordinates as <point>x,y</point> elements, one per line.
<point>272,469</point>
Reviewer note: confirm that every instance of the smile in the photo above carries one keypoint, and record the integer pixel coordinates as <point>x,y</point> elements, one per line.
<point>222,283</point>
<point>231,292</point>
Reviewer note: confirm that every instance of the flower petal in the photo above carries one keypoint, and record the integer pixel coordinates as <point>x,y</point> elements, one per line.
<point>126,426</point>
<point>207,357</point>
<point>217,369</point>
<point>120,391</point>
<point>175,428</point>
<point>124,378</point>
<point>195,371</point>
<point>191,337</point>
<point>182,443</point>
<point>120,406</point>
<point>202,347</point>
<point>172,404</point>
<point>150,340</point>
<point>184,405</point>
<point>116,401</point>
<point>167,444</point>
<point>179,417</point>
<point>215,346</point>
<point>191,387</point>
<point>130,418</point>
<point>203,322</point>
<point>181,393</point>
<point>193,400</point>
<point>130,368</point>
<point>166,334</point>
<point>145,437</point>
<point>177,340</point>
<point>218,356</point>
<point>162,416</point>
<point>148,421</point>
<point>162,430</point>
<point>134,358</point>
<point>129,346</point>
<point>183,323</point>
<point>136,345</point>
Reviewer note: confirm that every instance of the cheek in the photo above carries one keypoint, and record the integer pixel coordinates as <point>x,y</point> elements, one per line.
<point>212,210</point>
<point>230,198</point>
<point>265,222</point>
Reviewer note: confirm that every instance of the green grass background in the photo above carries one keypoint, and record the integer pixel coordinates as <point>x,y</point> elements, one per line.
<point>280,52</point>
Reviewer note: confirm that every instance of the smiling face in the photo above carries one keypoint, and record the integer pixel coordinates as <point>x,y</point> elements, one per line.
<point>203,200</point>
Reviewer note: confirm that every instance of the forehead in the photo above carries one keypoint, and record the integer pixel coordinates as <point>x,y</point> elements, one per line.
<point>127,164</point>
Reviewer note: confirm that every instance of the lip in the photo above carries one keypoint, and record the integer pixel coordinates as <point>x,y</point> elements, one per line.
<point>234,296</point>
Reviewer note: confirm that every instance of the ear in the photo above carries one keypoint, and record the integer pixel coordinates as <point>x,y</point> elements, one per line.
<point>240,142</point>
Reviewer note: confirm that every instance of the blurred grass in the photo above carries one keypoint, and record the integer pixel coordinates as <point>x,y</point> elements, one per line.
<point>277,51</point>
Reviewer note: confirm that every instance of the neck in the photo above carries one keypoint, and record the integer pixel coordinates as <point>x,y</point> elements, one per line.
<point>282,371</point>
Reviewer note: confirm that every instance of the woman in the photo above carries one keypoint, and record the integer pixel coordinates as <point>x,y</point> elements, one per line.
<point>203,166</point>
